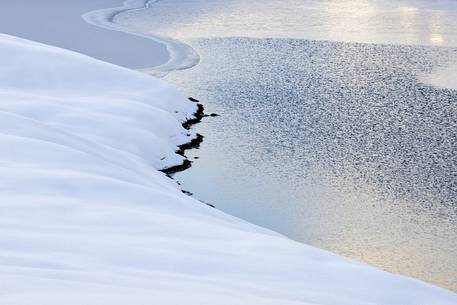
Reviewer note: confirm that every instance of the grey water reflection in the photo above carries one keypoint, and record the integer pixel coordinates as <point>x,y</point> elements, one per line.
<point>336,145</point>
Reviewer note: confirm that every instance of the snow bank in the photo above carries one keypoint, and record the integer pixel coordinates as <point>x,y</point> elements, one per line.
<point>181,55</point>
<point>70,24</point>
<point>59,23</point>
<point>86,218</point>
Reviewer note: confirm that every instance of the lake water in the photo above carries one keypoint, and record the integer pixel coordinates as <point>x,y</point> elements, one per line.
<point>328,131</point>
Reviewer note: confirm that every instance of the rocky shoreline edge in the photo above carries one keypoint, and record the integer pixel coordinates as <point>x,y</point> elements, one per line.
<point>192,144</point>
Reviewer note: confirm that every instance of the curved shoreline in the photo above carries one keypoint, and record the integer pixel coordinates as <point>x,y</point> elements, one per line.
<point>181,55</point>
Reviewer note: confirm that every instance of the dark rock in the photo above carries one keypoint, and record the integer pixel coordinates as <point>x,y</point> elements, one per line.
<point>193,144</point>
<point>198,115</point>
<point>187,192</point>
<point>177,168</point>
<point>209,204</point>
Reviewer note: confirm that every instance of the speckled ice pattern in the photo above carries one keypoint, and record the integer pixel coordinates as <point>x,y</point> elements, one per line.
<point>335,144</point>
<point>347,145</point>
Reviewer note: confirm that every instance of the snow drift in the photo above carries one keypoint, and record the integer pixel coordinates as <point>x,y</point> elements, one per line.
<point>87,218</point>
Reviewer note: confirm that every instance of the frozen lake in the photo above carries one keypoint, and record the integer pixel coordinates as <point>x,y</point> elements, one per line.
<point>334,128</point>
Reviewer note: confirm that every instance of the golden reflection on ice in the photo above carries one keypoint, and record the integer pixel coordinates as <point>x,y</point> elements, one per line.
<point>395,247</point>
<point>436,39</point>
<point>436,30</point>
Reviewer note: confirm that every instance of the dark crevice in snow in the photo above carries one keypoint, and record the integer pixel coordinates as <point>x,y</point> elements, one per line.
<point>194,143</point>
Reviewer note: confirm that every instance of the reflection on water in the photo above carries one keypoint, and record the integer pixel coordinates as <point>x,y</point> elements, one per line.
<point>338,145</point>
<point>399,22</point>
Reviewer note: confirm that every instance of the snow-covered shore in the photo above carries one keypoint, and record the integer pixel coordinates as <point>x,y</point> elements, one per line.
<point>87,218</point>
<point>60,23</point>
<point>181,55</point>
<point>70,24</point>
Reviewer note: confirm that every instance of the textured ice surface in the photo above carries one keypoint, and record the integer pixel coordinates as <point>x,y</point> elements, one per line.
<point>338,145</point>
<point>361,136</point>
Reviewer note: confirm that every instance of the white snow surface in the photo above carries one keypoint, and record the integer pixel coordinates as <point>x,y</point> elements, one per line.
<point>86,217</point>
